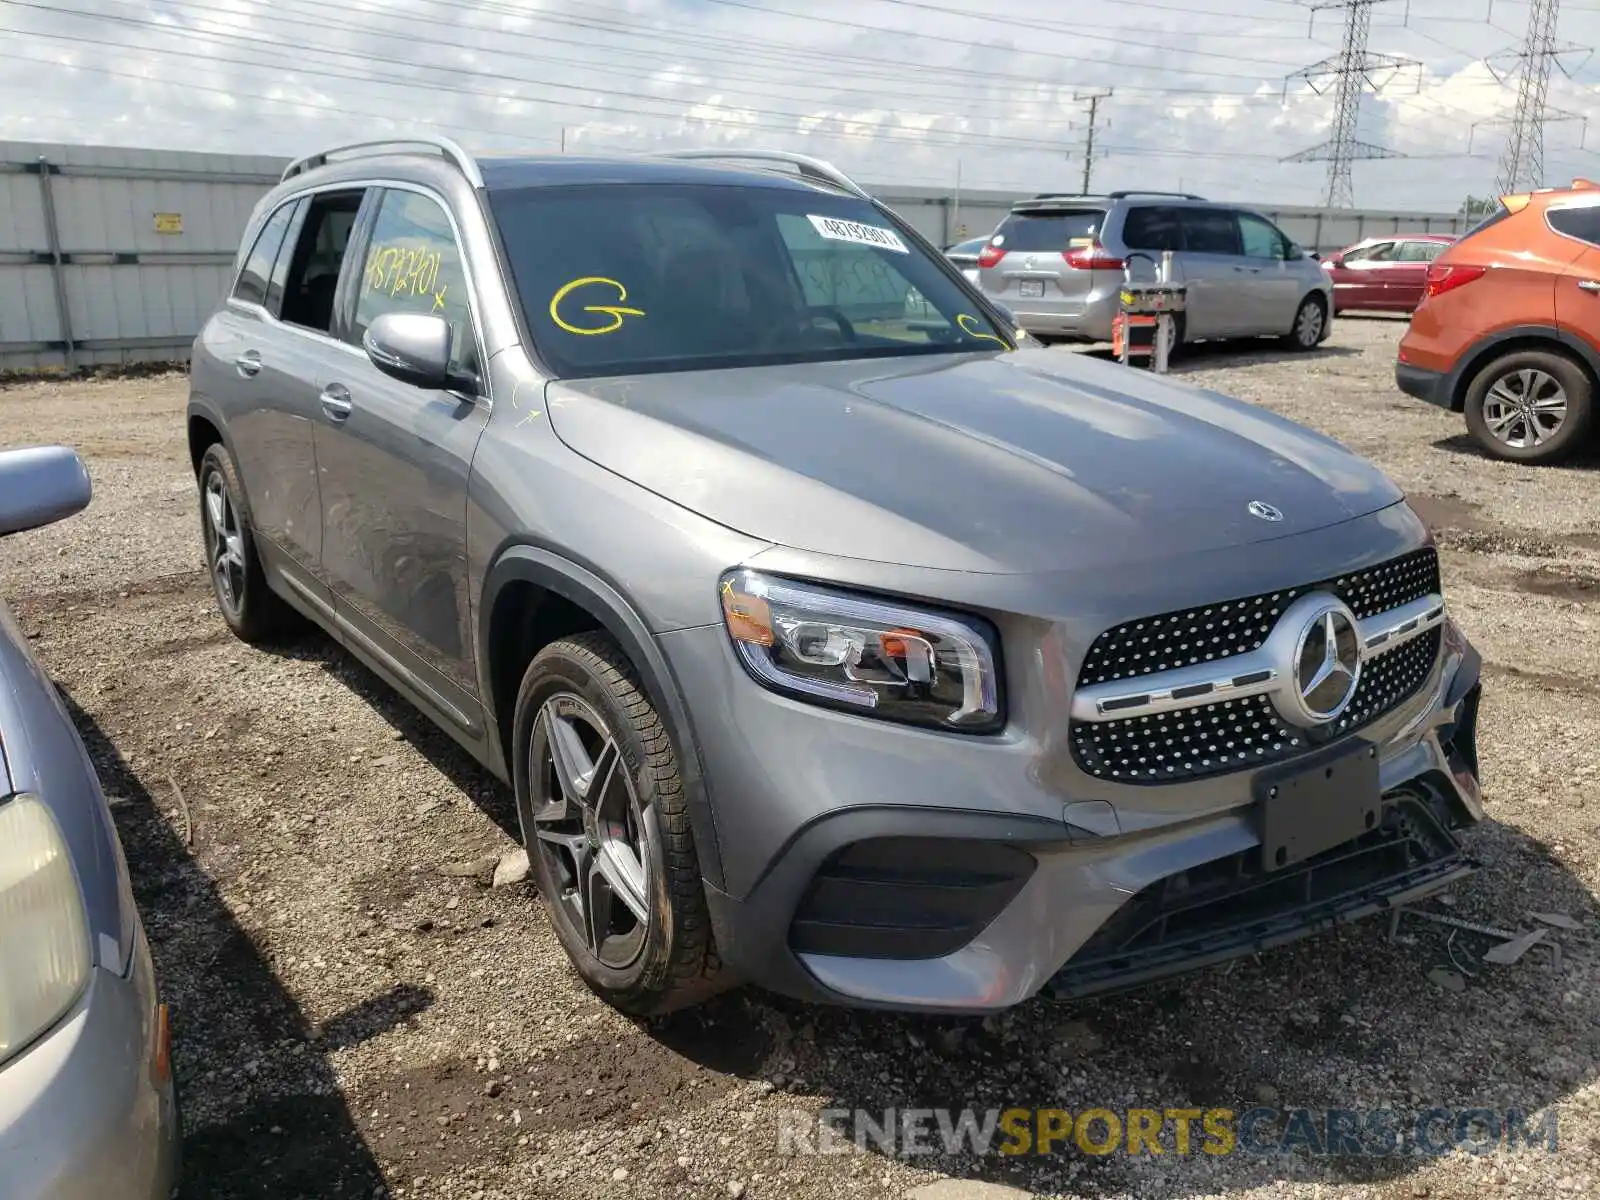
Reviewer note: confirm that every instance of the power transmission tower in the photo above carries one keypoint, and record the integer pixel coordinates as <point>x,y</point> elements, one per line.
<point>1350,71</point>
<point>1093,100</point>
<point>1522,161</point>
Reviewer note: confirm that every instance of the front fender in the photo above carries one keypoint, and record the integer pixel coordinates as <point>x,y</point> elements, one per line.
<point>546,569</point>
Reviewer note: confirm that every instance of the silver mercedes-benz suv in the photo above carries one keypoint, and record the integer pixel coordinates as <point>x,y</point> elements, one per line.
<point>832,635</point>
<point>1059,262</point>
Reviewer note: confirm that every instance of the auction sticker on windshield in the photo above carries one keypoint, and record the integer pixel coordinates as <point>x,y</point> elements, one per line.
<point>836,230</point>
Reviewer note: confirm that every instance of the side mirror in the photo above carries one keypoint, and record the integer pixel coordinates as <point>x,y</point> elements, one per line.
<point>411,347</point>
<point>40,485</point>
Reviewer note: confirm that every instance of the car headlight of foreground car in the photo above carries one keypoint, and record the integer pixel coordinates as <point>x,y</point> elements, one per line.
<point>44,932</point>
<point>871,656</point>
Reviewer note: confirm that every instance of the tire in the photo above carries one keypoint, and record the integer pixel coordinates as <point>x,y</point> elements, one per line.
<point>1493,403</point>
<point>247,603</point>
<point>1310,326</point>
<point>651,951</point>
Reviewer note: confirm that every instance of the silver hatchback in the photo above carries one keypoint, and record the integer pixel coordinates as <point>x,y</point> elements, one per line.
<point>1059,263</point>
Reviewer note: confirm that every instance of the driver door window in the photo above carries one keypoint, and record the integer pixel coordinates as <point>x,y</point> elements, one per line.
<point>413,265</point>
<point>1259,239</point>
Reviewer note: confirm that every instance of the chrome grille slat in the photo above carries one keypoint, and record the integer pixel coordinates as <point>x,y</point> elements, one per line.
<point>1154,708</point>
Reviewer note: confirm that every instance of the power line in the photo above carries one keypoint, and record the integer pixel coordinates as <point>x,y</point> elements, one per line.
<point>1351,70</point>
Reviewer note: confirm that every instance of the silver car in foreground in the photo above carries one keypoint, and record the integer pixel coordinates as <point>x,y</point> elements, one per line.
<point>1059,263</point>
<point>831,636</point>
<point>87,1105</point>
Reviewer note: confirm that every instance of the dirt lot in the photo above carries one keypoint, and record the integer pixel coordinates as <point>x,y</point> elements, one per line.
<point>352,1021</point>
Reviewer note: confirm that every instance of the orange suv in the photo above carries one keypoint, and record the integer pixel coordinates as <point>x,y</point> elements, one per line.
<point>1508,330</point>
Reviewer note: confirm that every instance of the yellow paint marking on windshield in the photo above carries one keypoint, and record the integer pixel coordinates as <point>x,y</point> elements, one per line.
<point>963,318</point>
<point>615,311</point>
<point>438,299</point>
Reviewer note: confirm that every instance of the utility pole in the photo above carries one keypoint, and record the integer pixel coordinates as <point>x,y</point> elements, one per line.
<point>1093,101</point>
<point>1522,161</point>
<point>1351,71</point>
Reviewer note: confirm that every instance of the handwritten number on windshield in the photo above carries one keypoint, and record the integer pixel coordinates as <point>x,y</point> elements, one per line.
<point>615,311</point>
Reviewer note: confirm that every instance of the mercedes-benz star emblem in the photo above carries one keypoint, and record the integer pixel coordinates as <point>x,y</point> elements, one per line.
<point>1327,663</point>
<point>1260,508</point>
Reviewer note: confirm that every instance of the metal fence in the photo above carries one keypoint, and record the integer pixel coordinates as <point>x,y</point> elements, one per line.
<point>111,255</point>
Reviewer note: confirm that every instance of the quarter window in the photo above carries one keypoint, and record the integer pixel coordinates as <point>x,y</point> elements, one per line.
<point>251,285</point>
<point>1580,223</point>
<point>413,265</point>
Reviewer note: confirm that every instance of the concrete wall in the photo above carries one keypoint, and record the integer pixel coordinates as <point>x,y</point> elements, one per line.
<point>111,255</point>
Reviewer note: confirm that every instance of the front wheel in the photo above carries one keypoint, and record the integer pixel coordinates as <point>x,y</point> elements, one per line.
<point>606,824</point>
<point>1531,406</point>
<point>1310,324</point>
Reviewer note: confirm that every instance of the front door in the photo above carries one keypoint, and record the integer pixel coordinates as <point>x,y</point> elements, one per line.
<point>1269,294</point>
<point>1360,277</point>
<point>393,462</point>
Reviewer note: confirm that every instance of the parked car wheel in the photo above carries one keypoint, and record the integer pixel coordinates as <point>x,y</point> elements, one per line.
<point>606,824</point>
<point>1310,324</point>
<point>1532,406</point>
<point>251,608</point>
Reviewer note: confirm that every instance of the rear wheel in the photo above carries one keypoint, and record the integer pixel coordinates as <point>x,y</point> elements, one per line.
<point>250,607</point>
<point>1310,324</point>
<point>1532,406</point>
<point>606,825</point>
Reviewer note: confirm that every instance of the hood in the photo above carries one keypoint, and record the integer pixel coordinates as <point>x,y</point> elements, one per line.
<point>1028,461</point>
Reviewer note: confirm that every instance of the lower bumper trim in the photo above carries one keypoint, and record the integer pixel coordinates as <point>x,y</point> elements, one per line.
<point>1422,384</point>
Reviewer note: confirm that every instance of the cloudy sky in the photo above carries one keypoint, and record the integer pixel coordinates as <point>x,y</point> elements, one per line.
<point>895,91</point>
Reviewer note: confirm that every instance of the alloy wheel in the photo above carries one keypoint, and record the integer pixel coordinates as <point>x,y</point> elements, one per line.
<point>590,829</point>
<point>1524,408</point>
<point>224,543</point>
<point>1308,323</point>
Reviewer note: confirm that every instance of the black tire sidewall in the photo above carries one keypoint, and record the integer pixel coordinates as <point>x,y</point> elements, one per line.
<point>250,620</point>
<point>555,669</point>
<point>1580,406</point>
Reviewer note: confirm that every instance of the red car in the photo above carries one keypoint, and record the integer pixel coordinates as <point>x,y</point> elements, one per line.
<point>1385,274</point>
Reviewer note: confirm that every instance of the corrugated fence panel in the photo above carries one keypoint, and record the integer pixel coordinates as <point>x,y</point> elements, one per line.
<point>177,217</point>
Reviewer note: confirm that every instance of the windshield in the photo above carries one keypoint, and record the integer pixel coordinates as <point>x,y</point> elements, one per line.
<point>622,279</point>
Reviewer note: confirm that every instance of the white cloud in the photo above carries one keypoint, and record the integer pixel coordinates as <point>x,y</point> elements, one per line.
<point>1197,88</point>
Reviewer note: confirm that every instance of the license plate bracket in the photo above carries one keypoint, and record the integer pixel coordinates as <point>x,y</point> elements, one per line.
<point>1318,804</point>
<point>1030,288</point>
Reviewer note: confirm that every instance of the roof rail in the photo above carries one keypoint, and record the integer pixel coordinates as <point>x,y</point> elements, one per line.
<point>1123,195</point>
<point>450,149</point>
<point>810,168</point>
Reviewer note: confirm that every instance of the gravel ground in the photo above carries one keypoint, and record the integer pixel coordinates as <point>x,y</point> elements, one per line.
<point>352,1020</point>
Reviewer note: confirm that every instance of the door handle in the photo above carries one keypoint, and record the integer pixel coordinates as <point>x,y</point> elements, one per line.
<point>335,401</point>
<point>1589,285</point>
<point>249,363</point>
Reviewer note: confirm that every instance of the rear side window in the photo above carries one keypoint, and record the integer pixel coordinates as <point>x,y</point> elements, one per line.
<point>252,283</point>
<point>1210,231</point>
<point>1580,223</point>
<point>1053,230</point>
<point>1152,228</point>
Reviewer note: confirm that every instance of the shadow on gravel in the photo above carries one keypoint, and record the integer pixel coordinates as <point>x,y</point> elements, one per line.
<point>261,1107</point>
<point>1209,356</point>
<point>1347,1020</point>
<point>1584,459</point>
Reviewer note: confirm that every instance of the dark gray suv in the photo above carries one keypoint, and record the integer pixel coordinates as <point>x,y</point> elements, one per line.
<point>831,636</point>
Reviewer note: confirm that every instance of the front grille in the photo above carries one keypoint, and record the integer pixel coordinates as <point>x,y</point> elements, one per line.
<point>1231,735</point>
<point>1236,627</point>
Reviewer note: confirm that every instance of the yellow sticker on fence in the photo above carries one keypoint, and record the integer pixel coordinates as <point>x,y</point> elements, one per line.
<point>615,311</point>
<point>169,222</point>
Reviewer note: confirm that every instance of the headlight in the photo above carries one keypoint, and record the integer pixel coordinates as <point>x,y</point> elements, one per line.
<point>44,934</point>
<point>871,656</point>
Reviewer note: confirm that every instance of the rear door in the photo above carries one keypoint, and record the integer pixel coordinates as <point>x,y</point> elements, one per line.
<point>1213,269</point>
<point>1032,275</point>
<point>1578,283</point>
